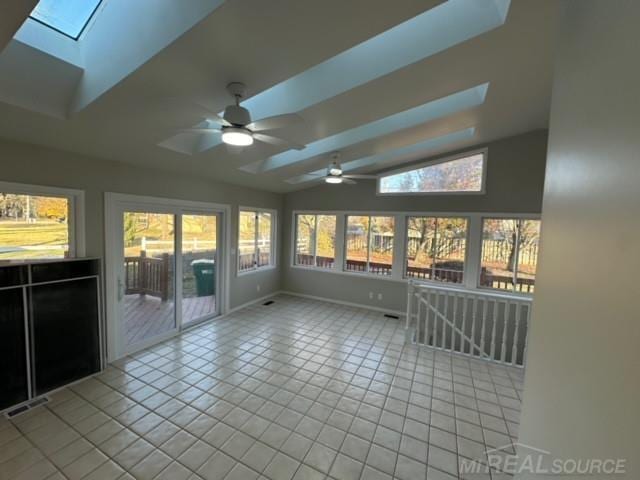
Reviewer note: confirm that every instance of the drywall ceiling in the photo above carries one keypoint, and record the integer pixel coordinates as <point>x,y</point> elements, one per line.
<point>263,44</point>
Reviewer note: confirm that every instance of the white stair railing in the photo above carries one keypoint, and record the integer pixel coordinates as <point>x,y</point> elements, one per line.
<point>487,325</point>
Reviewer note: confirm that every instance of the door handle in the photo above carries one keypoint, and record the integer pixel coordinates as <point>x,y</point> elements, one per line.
<point>120,289</point>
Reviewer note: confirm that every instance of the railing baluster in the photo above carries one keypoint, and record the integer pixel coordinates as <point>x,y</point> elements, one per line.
<point>496,307</point>
<point>485,304</point>
<point>514,345</point>
<point>465,301</point>
<point>503,347</point>
<point>474,320</point>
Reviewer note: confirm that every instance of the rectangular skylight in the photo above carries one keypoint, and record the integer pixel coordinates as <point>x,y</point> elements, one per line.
<point>69,17</point>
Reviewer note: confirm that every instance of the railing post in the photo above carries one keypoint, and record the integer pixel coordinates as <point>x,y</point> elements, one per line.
<point>407,329</point>
<point>142,272</point>
<point>164,277</point>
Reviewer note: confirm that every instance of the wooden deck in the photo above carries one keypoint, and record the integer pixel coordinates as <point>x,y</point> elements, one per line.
<point>147,316</point>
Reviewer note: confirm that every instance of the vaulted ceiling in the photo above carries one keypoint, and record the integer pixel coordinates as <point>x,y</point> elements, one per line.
<point>382,82</point>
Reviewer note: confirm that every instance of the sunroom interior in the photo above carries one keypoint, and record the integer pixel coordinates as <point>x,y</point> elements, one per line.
<point>318,240</point>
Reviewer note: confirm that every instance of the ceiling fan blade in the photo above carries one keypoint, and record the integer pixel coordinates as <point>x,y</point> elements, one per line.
<point>275,122</point>
<point>348,181</point>
<point>210,114</point>
<point>200,130</point>
<point>279,142</point>
<point>360,176</point>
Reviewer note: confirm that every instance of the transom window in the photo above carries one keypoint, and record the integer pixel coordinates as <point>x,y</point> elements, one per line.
<point>69,17</point>
<point>315,240</point>
<point>369,244</point>
<point>458,175</point>
<point>256,239</point>
<point>436,248</point>
<point>509,254</point>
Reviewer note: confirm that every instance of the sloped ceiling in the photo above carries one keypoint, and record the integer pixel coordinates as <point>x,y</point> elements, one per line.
<point>263,44</point>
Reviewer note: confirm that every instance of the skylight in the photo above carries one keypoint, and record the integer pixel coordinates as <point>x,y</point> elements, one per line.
<point>69,17</point>
<point>460,175</point>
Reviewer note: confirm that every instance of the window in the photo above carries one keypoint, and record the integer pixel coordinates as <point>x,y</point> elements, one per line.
<point>69,17</point>
<point>509,254</point>
<point>38,222</point>
<point>315,240</point>
<point>459,175</point>
<point>369,244</point>
<point>256,235</point>
<point>436,248</point>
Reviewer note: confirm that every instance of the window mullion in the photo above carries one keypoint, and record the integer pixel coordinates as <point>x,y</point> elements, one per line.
<point>256,247</point>
<point>369,245</point>
<point>315,241</point>
<point>434,248</point>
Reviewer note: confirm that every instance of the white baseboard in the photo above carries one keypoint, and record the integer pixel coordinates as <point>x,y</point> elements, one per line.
<point>342,302</point>
<point>252,302</point>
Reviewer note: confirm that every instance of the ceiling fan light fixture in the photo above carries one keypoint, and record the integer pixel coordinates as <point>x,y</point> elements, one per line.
<point>239,137</point>
<point>335,170</point>
<point>332,179</point>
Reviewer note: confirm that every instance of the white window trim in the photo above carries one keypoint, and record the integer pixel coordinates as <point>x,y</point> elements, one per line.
<point>76,222</point>
<point>294,241</point>
<point>473,256</point>
<point>274,230</point>
<point>484,151</point>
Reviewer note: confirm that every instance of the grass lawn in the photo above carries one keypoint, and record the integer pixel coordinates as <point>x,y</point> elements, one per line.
<point>43,239</point>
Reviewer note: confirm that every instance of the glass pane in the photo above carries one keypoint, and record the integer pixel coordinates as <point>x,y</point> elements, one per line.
<point>149,275</point>
<point>357,240</point>
<point>33,227</point>
<point>247,241</point>
<point>451,239</point>
<point>305,239</point>
<point>381,250</point>
<point>66,16</point>
<point>460,175</point>
<point>498,253</point>
<point>420,246</point>
<point>264,239</point>
<point>528,255</point>
<point>326,243</point>
<point>199,245</point>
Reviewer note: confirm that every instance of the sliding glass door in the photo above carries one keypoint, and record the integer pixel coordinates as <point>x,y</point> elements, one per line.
<point>164,268</point>
<point>148,278</point>
<point>199,266</point>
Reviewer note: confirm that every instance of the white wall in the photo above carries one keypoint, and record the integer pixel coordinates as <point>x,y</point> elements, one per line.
<point>582,388</point>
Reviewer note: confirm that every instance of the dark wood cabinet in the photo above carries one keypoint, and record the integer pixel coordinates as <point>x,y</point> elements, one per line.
<point>50,327</point>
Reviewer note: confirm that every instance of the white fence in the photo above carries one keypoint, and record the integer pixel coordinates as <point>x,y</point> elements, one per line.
<point>487,325</point>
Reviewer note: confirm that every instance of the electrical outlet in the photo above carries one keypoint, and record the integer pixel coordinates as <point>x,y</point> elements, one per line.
<point>258,287</point>
<point>379,296</point>
<point>370,295</point>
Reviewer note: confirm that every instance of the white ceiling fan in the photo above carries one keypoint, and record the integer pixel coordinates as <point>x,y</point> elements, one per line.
<point>335,174</point>
<point>237,128</point>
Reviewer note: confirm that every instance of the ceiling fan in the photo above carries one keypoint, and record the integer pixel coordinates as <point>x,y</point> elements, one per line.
<point>335,174</point>
<point>237,128</point>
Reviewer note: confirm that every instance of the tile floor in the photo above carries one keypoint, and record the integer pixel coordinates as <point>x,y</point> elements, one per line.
<point>300,389</point>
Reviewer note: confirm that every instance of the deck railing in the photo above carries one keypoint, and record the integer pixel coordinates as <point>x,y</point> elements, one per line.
<point>492,326</point>
<point>147,275</point>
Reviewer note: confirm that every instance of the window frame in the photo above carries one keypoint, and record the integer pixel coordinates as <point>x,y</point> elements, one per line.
<point>473,254</point>
<point>469,153</point>
<point>519,218</point>
<point>367,273</point>
<point>76,222</point>
<point>273,251</point>
<point>62,32</point>
<point>467,239</point>
<point>315,253</point>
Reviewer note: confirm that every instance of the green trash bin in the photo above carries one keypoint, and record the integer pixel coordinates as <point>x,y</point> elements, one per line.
<point>205,272</point>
